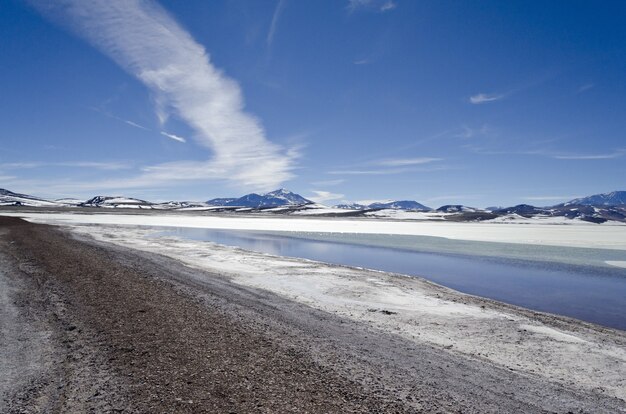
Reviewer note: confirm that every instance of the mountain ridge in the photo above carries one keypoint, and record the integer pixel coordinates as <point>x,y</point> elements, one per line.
<point>596,208</point>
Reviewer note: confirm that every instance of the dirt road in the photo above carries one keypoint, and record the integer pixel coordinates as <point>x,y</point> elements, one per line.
<point>89,327</point>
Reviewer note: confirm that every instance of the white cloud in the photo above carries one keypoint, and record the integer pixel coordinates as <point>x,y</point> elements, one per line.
<point>401,162</point>
<point>484,98</point>
<point>329,182</point>
<point>388,5</point>
<point>589,156</point>
<point>372,5</point>
<point>148,43</point>
<point>126,121</point>
<point>549,198</point>
<point>585,87</point>
<point>371,171</point>
<point>114,165</point>
<point>452,198</point>
<point>275,17</point>
<point>372,201</point>
<point>322,196</point>
<point>174,137</point>
<point>136,125</point>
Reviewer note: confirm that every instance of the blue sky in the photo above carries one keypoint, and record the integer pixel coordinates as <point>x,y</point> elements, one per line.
<point>480,103</point>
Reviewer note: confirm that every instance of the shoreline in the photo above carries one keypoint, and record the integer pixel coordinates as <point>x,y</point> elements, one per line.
<point>394,337</point>
<point>584,235</point>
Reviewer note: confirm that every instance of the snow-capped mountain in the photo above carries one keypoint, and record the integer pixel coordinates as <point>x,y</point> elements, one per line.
<point>401,205</point>
<point>457,208</point>
<point>280,197</point>
<point>615,198</point>
<point>408,205</point>
<point>9,198</point>
<point>596,209</point>
<point>116,202</point>
<point>352,206</point>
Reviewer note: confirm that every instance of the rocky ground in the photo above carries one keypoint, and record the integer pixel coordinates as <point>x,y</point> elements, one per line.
<point>90,327</point>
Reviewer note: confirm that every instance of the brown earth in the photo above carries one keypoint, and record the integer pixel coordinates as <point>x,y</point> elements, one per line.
<point>89,327</point>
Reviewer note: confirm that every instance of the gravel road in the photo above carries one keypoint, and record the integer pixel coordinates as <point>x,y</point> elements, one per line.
<point>90,327</point>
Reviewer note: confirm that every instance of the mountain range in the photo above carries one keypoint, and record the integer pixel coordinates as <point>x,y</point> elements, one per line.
<point>595,208</point>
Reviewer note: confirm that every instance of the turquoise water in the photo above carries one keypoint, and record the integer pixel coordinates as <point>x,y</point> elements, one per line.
<point>568,281</point>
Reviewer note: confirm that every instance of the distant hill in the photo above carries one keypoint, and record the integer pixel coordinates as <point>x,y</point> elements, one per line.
<point>393,205</point>
<point>524,210</point>
<point>401,205</point>
<point>220,201</point>
<point>615,198</point>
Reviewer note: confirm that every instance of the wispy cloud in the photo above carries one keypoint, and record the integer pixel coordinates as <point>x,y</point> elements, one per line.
<point>585,87</point>
<point>481,98</point>
<point>386,171</point>
<point>389,166</point>
<point>452,198</point>
<point>362,61</point>
<point>371,5</point>
<point>401,162</point>
<point>71,164</point>
<point>174,137</point>
<point>608,156</point>
<point>126,121</point>
<point>388,5</point>
<point>468,132</point>
<point>136,125</point>
<point>275,17</point>
<point>549,198</point>
<point>148,43</point>
<point>20,165</point>
<point>329,182</point>
<point>322,196</point>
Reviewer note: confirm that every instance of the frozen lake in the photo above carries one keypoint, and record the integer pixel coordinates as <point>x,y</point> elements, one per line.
<point>569,281</point>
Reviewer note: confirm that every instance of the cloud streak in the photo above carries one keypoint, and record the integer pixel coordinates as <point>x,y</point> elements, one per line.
<point>322,196</point>
<point>481,98</point>
<point>590,156</point>
<point>402,162</point>
<point>275,17</point>
<point>72,164</point>
<point>373,5</point>
<point>174,137</point>
<point>142,38</point>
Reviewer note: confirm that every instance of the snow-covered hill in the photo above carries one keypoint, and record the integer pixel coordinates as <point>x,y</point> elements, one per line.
<point>9,198</point>
<point>116,202</point>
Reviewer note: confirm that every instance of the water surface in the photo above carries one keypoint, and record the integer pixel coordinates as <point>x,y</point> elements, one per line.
<point>575,282</point>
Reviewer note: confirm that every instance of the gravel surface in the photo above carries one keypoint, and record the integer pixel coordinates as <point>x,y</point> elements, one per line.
<point>89,327</point>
